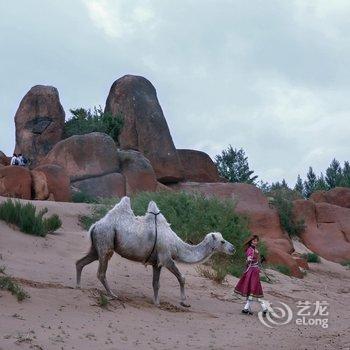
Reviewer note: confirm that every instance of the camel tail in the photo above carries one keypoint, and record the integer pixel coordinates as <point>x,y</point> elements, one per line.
<point>91,235</point>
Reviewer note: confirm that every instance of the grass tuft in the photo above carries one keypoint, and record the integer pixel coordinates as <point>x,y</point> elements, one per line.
<point>7,283</point>
<point>25,217</point>
<point>311,257</point>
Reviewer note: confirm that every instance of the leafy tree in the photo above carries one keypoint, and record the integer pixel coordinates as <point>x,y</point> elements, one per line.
<point>84,121</point>
<point>334,174</point>
<point>299,187</point>
<point>233,165</point>
<point>310,183</point>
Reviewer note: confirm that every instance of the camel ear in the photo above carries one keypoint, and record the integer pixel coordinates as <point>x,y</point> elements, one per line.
<point>214,238</point>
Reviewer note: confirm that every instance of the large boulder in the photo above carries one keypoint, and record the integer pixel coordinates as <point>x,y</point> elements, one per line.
<point>138,172</point>
<point>51,182</point>
<point>338,196</point>
<point>277,256</point>
<point>4,160</point>
<point>327,230</point>
<point>39,122</point>
<point>110,185</point>
<point>85,156</point>
<point>15,182</point>
<point>198,166</point>
<point>145,128</point>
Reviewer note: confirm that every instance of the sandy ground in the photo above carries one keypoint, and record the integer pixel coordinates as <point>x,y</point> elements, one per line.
<point>57,316</point>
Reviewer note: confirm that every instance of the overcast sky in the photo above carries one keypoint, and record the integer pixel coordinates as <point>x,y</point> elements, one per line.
<point>271,77</point>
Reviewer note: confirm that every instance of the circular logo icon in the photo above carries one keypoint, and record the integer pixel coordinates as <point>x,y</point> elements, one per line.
<point>276,315</point>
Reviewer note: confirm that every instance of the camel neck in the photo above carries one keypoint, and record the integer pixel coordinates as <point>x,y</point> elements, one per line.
<point>192,254</point>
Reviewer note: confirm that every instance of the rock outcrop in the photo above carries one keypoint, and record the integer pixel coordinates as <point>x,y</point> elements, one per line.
<point>145,128</point>
<point>15,182</point>
<point>4,160</point>
<point>85,156</point>
<point>110,185</point>
<point>138,172</point>
<point>327,230</point>
<point>339,196</point>
<point>39,122</point>
<point>51,182</point>
<point>198,166</point>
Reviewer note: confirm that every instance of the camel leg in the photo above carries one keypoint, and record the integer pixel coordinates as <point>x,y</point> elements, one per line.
<point>101,273</point>
<point>89,258</point>
<point>156,275</point>
<point>173,268</point>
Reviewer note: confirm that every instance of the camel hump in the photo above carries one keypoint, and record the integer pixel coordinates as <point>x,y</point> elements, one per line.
<point>153,208</point>
<point>124,203</point>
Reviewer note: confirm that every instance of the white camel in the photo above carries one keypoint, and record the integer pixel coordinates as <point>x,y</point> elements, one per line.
<point>134,238</point>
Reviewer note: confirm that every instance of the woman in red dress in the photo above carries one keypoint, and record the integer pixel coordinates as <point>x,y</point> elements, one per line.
<point>249,285</point>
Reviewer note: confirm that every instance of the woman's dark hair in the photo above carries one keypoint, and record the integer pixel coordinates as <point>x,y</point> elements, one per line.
<point>249,242</point>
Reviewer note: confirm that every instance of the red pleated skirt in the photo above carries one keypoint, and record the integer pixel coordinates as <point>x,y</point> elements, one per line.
<point>249,284</point>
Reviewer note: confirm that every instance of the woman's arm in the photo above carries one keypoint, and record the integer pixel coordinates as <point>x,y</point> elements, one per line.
<point>250,254</point>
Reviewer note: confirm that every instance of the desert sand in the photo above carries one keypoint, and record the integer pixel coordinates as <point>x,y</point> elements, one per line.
<point>58,316</point>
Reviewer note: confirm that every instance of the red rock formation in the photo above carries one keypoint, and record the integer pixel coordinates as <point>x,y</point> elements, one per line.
<point>84,156</point>
<point>145,128</point>
<point>338,196</point>
<point>51,182</point>
<point>15,182</point>
<point>39,122</point>
<point>138,172</point>
<point>110,185</point>
<point>328,229</point>
<point>4,160</point>
<point>198,166</point>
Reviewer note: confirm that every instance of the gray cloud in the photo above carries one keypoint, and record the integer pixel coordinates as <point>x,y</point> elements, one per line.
<point>268,76</point>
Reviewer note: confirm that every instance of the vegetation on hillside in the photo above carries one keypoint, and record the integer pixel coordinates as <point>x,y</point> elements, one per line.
<point>25,217</point>
<point>84,121</point>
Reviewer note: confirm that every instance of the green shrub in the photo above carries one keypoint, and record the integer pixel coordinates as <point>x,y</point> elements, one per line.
<point>282,268</point>
<point>52,223</point>
<point>24,216</point>
<point>192,216</point>
<point>84,121</point>
<point>284,205</point>
<point>83,197</point>
<point>311,257</point>
<point>7,283</point>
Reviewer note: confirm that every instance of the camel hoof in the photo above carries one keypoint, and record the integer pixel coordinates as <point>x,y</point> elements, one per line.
<point>184,304</point>
<point>112,296</point>
<point>77,286</point>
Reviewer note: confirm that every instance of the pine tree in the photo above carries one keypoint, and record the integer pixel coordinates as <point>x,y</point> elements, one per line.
<point>345,180</point>
<point>321,184</point>
<point>233,165</point>
<point>299,187</point>
<point>334,174</point>
<point>310,183</point>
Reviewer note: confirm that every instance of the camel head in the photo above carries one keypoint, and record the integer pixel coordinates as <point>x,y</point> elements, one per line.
<point>219,244</point>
